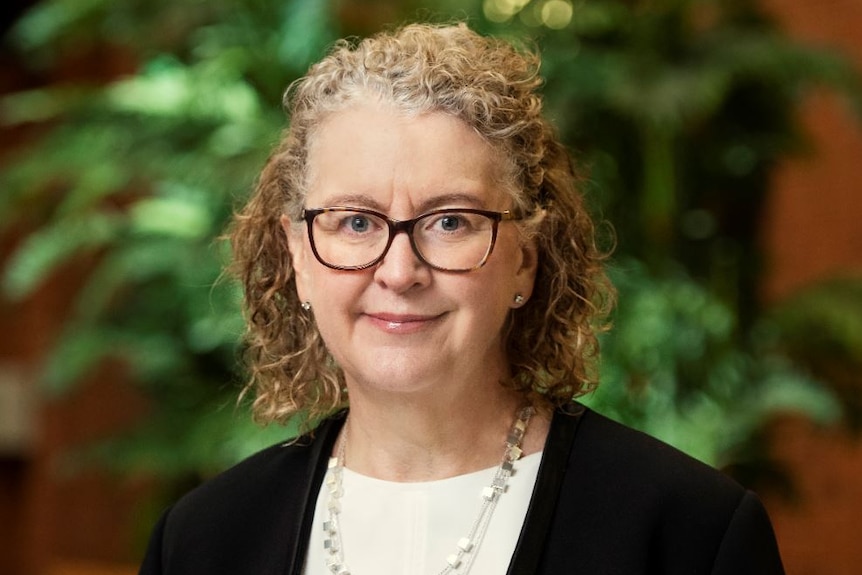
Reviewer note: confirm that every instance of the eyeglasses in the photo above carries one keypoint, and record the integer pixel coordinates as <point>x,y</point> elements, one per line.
<point>452,240</point>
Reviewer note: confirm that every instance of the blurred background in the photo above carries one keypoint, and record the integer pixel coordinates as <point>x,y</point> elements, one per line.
<point>720,139</point>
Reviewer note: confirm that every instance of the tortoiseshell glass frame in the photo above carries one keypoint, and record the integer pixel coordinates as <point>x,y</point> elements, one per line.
<point>406,226</point>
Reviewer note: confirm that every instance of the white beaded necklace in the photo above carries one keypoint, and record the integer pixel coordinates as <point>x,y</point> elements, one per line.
<point>461,560</point>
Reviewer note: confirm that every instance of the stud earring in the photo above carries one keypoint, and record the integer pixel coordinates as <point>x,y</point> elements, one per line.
<point>306,306</point>
<point>519,299</point>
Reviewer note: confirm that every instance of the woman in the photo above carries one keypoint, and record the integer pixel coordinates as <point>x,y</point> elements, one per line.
<point>416,249</point>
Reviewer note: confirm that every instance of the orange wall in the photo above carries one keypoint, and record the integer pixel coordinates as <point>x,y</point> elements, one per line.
<point>814,231</point>
<point>813,228</point>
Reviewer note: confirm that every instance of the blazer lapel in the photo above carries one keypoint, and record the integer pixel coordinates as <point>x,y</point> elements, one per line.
<point>299,530</point>
<point>543,502</point>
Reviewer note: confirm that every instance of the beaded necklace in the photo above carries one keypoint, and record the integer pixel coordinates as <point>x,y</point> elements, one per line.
<point>461,560</point>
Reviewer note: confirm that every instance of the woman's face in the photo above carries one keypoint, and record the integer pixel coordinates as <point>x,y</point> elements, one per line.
<point>401,326</point>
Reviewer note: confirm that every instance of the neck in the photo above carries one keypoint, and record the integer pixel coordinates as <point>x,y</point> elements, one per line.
<point>410,438</point>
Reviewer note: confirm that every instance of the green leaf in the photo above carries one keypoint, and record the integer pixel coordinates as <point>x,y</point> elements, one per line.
<point>79,351</point>
<point>50,19</point>
<point>174,215</point>
<point>45,249</point>
<point>39,105</point>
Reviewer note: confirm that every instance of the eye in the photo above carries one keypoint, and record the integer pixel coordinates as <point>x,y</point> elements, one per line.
<point>454,224</point>
<point>450,222</point>
<point>359,223</point>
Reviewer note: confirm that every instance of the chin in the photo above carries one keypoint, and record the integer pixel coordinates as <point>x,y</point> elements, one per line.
<point>398,374</point>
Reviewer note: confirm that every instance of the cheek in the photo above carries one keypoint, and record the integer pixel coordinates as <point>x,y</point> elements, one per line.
<point>489,300</point>
<point>335,293</point>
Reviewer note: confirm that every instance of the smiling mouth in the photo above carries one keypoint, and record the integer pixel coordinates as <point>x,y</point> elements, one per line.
<point>394,323</point>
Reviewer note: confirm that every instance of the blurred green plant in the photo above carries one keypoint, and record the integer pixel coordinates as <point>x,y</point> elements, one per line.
<point>820,329</point>
<point>676,366</point>
<point>677,109</point>
<point>680,110</point>
<point>140,174</point>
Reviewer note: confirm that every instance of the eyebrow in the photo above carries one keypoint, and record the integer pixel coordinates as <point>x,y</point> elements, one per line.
<point>451,199</point>
<point>366,201</point>
<point>353,201</point>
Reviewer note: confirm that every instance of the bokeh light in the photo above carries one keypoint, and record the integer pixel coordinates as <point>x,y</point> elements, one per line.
<point>502,10</point>
<point>557,14</point>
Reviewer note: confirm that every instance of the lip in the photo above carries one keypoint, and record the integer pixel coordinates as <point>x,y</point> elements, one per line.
<point>401,323</point>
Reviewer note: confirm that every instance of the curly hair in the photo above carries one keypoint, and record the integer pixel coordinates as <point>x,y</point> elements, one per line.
<point>492,86</point>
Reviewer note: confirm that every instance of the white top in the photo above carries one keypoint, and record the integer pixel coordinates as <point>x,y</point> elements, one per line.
<point>391,528</point>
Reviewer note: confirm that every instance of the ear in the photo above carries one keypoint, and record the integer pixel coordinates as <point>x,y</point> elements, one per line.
<point>299,252</point>
<point>525,274</point>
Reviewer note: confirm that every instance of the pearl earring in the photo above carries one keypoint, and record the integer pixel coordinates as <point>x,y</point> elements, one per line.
<point>306,306</point>
<point>519,299</point>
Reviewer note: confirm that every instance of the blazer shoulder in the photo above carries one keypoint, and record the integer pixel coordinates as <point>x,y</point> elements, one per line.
<point>616,471</point>
<point>261,499</point>
<point>632,498</point>
<point>630,458</point>
<point>249,519</point>
<point>284,462</point>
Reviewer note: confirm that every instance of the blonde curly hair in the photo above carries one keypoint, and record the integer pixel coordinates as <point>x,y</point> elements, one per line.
<point>490,85</point>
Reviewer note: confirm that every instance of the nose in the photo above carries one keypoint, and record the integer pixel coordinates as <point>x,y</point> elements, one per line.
<point>401,269</point>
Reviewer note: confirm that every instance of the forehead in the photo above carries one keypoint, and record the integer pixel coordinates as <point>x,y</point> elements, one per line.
<point>396,158</point>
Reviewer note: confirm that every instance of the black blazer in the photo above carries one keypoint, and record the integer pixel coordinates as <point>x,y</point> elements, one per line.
<point>608,501</point>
